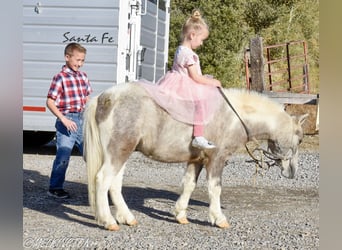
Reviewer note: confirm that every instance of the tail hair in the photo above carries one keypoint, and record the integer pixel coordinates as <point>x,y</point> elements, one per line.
<point>92,148</point>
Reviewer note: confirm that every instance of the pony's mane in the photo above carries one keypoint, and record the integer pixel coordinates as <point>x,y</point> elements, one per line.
<point>256,98</point>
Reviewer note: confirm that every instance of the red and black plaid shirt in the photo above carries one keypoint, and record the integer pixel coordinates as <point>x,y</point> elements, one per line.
<point>70,89</point>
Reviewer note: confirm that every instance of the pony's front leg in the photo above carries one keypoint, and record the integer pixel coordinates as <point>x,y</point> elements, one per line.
<point>189,183</point>
<point>215,213</point>
<point>122,213</point>
<point>103,215</point>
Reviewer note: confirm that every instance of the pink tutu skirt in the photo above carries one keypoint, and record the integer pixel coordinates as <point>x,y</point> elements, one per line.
<point>184,99</point>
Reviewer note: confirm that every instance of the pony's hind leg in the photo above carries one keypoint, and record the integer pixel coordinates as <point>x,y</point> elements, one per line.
<point>189,183</point>
<point>104,179</point>
<point>122,213</point>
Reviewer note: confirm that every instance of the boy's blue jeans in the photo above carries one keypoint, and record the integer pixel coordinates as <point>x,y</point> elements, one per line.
<point>65,141</point>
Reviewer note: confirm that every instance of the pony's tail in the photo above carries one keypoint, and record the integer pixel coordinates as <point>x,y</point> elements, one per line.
<point>93,154</point>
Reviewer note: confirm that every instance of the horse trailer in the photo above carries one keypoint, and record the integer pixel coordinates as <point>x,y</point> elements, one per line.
<point>126,40</point>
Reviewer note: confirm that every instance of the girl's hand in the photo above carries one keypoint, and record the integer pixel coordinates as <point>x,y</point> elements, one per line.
<point>203,79</point>
<point>216,83</point>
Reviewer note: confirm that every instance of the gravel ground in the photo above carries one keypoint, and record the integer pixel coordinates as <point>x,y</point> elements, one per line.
<point>265,212</point>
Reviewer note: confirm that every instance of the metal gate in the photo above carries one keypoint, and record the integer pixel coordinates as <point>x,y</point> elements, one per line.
<point>285,68</point>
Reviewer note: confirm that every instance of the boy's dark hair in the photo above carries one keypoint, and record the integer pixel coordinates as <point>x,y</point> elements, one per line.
<point>74,46</point>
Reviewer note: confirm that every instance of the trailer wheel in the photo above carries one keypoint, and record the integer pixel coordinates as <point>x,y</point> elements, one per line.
<point>37,138</point>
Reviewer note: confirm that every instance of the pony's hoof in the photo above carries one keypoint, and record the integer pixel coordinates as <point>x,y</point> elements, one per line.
<point>132,223</point>
<point>113,227</point>
<point>183,221</point>
<point>223,225</point>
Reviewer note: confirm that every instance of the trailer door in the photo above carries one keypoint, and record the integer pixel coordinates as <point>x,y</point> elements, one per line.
<point>147,49</point>
<point>154,40</point>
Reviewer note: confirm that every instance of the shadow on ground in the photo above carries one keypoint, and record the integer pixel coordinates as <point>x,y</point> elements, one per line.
<point>35,198</point>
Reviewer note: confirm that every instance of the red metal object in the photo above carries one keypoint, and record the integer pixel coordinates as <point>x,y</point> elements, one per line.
<point>247,65</point>
<point>294,63</point>
<point>286,68</point>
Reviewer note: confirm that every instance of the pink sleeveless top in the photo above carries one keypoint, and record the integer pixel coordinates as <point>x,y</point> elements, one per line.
<point>183,98</point>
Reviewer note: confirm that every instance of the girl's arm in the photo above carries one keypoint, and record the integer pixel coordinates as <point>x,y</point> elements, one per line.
<point>202,79</point>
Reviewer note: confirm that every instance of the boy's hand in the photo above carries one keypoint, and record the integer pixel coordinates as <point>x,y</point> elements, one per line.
<point>69,124</point>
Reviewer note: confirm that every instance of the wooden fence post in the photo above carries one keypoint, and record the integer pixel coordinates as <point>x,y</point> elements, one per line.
<point>256,64</point>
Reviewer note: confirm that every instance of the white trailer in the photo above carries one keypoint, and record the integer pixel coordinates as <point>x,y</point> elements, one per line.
<point>125,39</point>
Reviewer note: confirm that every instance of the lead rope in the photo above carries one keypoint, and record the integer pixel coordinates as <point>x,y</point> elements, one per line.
<point>236,113</point>
<point>262,151</point>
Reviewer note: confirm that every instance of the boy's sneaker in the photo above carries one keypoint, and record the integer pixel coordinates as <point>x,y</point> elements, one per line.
<point>201,142</point>
<point>58,193</point>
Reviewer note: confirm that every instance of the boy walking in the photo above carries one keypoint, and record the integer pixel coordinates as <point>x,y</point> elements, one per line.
<point>66,99</point>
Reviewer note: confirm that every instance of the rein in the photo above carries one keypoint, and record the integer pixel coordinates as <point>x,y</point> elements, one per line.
<point>236,113</point>
<point>259,162</point>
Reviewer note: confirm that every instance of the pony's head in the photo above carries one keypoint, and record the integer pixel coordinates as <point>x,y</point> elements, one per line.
<point>285,149</point>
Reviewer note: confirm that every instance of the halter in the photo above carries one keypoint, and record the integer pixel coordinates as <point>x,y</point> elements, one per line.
<point>272,157</point>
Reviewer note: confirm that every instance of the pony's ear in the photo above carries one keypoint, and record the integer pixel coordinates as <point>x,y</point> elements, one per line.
<point>301,118</point>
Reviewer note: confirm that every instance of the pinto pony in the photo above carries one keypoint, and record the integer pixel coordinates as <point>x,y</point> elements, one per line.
<point>124,119</point>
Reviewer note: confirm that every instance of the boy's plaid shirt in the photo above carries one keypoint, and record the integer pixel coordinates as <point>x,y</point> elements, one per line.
<point>70,89</point>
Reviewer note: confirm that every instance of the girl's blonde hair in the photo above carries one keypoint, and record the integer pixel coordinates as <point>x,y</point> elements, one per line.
<point>194,23</point>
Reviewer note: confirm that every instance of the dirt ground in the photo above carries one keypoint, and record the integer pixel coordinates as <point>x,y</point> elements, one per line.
<point>310,142</point>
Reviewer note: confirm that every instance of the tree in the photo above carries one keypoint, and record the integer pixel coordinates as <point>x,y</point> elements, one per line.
<point>260,15</point>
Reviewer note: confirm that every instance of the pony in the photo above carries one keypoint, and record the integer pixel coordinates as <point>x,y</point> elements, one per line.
<point>124,119</point>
